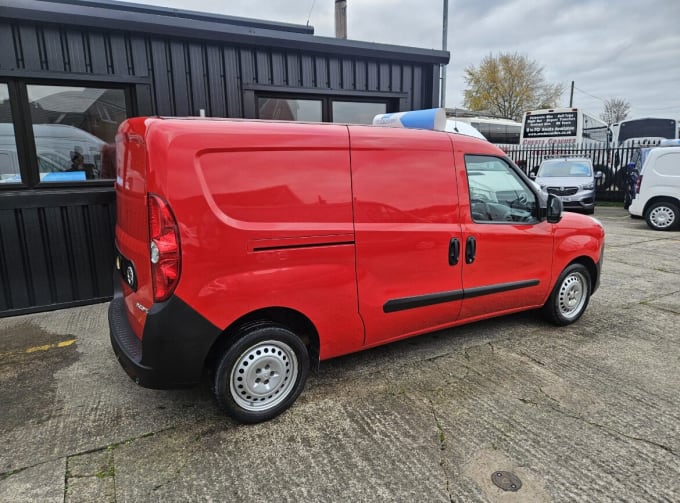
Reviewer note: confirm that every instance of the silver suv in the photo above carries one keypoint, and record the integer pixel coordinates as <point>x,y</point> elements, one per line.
<point>570,178</point>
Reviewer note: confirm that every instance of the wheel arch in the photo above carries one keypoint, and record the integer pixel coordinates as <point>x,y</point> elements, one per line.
<point>660,199</point>
<point>291,319</point>
<point>592,268</point>
<point>591,254</point>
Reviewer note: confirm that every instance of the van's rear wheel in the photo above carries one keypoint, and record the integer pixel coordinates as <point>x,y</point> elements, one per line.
<point>261,374</point>
<point>570,297</point>
<point>663,216</point>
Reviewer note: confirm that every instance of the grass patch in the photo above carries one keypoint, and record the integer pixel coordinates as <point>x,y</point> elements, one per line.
<point>108,472</point>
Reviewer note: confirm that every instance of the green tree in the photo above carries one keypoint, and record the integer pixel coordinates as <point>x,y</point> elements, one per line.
<point>615,110</point>
<point>508,85</point>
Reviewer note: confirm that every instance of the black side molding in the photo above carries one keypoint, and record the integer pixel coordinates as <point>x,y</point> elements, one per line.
<point>421,301</point>
<point>430,299</point>
<point>478,291</point>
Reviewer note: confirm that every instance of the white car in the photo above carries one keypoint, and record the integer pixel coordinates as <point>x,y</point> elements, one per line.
<point>658,193</point>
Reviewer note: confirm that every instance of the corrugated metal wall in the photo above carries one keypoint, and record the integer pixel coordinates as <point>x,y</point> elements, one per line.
<point>57,246</point>
<point>188,76</point>
<point>55,250</point>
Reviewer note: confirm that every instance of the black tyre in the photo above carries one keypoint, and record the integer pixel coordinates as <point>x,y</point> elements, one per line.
<point>570,297</point>
<point>261,374</point>
<point>663,216</point>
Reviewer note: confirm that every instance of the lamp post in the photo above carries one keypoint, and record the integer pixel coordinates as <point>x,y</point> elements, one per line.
<point>445,31</point>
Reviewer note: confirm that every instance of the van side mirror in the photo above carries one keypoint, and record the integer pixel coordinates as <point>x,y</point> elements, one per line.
<point>598,175</point>
<point>555,208</point>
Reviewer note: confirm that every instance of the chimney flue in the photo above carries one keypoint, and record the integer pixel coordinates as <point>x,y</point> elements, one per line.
<point>341,19</point>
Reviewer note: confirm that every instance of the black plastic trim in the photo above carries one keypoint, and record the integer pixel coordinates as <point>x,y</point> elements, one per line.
<point>297,246</point>
<point>479,291</point>
<point>439,298</point>
<point>598,266</point>
<point>174,346</point>
<point>429,299</point>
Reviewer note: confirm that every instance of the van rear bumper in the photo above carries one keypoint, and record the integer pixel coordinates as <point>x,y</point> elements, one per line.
<point>174,347</point>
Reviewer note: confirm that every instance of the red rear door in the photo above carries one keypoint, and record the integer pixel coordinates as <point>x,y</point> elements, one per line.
<point>132,227</point>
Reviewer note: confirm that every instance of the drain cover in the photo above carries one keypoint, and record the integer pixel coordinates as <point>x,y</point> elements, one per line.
<point>507,481</point>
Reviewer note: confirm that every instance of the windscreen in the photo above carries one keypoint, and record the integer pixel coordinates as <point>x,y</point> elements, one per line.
<point>647,128</point>
<point>566,169</point>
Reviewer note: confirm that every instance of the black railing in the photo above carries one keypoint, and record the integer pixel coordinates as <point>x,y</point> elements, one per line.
<point>612,162</point>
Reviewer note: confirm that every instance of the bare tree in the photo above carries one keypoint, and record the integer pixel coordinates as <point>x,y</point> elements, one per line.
<point>615,110</point>
<point>507,85</point>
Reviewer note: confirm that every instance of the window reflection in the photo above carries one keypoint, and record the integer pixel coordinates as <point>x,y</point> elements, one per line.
<point>9,163</point>
<point>289,109</point>
<point>353,112</point>
<point>75,130</point>
<point>497,193</point>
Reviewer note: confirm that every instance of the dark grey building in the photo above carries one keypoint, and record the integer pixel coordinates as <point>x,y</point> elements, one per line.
<point>71,71</point>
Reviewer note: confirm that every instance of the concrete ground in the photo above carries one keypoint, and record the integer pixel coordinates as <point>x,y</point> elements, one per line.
<point>589,412</point>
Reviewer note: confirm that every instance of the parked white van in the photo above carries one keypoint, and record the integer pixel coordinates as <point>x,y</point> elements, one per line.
<point>658,190</point>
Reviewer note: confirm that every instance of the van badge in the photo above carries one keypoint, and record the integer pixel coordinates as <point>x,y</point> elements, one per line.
<point>142,308</point>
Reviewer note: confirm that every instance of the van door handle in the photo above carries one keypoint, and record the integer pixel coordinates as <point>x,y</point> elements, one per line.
<point>454,251</point>
<point>470,250</point>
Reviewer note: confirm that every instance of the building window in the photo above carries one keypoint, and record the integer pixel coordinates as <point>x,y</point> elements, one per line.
<point>289,109</point>
<point>9,163</point>
<point>357,112</point>
<point>322,109</point>
<point>74,129</point>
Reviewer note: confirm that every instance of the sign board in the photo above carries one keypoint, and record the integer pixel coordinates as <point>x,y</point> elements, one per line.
<point>550,125</point>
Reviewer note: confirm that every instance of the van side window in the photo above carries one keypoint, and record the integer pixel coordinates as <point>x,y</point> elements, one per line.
<point>497,192</point>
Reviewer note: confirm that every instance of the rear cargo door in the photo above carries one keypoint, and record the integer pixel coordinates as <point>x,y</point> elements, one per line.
<point>132,228</point>
<point>408,238</point>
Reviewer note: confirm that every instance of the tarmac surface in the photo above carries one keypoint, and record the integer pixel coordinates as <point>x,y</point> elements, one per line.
<point>588,412</point>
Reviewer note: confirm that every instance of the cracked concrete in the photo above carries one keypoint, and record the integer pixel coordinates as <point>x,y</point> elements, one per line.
<point>588,412</point>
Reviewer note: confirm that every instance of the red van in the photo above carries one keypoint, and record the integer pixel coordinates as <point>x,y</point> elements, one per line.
<point>255,249</point>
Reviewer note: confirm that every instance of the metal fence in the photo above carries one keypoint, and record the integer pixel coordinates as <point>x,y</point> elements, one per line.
<point>611,162</point>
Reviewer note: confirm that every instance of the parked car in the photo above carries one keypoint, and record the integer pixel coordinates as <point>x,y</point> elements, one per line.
<point>657,197</point>
<point>57,145</point>
<point>570,178</point>
<point>255,249</point>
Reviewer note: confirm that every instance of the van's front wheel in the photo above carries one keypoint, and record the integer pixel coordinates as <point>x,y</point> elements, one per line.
<point>570,297</point>
<point>261,374</point>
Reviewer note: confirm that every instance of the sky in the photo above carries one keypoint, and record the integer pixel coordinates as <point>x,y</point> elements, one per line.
<point>610,49</point>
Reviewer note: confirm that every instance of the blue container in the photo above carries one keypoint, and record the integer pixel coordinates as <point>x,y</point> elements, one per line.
<point>432,118</point>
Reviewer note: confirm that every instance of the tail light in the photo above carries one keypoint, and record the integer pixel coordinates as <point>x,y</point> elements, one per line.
<point>637,184</point>
<point>165,257</point>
